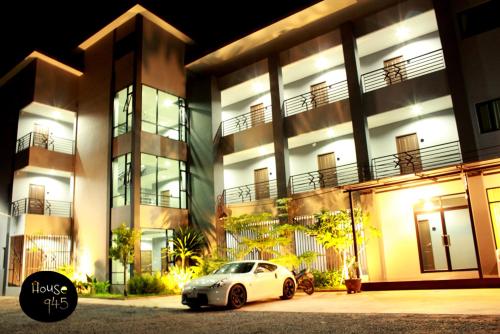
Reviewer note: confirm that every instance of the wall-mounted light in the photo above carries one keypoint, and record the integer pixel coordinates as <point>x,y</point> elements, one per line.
<point>402,32</point>
<point>416,109</point>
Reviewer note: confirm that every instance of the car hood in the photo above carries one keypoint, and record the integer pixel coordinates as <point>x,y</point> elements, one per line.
<point>210,280</point>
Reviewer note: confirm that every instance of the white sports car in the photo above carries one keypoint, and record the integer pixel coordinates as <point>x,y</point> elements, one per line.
<point>235,283</point>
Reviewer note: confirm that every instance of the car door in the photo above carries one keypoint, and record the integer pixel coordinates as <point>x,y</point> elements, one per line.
<point>266,281</point>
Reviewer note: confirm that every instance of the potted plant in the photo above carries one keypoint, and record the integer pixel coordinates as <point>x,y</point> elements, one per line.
<point>334,231</point>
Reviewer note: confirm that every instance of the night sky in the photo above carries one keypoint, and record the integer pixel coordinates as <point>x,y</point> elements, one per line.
<point>57,27</point>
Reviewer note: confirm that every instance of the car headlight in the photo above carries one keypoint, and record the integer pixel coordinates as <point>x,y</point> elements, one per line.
<point>218,284</point>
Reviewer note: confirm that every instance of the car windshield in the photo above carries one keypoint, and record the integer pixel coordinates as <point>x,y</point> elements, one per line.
<point>235,268</point>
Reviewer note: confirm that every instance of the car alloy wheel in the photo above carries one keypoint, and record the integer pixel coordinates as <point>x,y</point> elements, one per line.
<point>288,289</point>
<point>237,296</point>
<point>308,287</point>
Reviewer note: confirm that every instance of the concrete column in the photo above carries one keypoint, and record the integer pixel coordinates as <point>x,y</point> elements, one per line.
<point>135,193</point>
<point>280,139</point>
<point>358,115</point>
<point>451,52</point>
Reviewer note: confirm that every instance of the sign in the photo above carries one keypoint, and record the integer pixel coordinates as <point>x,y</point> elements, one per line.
<point>48,296</point>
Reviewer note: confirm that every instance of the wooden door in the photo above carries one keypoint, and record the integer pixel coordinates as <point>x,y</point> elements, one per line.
<point>261,178</point>
<point>408,153</point>
<point>395,70</point>
<point>257,114</point>
<point>16,260</point>
<point>319,94</point>
<point>146,261</point>
<point>327,171</point>
<point>36,201</point>
<point>41,136</point>
<point>424,235</point>
<point>165,198</point>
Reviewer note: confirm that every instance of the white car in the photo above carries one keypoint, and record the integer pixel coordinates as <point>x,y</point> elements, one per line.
<point>237,282</point>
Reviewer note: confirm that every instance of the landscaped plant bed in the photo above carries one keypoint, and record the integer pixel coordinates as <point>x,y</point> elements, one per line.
<point>122,297</point>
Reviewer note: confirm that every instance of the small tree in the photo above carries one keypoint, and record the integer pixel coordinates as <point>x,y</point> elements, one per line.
<point>124,240</point>
<point>188,243</point>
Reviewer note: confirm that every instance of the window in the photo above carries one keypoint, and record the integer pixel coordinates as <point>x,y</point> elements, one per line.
<point>156,250</point>
<point>163,182</point>
<point>163,114</point>
<point>494,203</point>
<point>479,19</point>
<point>121,180</point>
<point>488,114</point>
<point>123,107</point>
<point>267,267</point>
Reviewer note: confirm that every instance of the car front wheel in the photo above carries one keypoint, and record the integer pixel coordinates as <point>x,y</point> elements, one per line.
<point>288,289</point>
<point>237,296</point>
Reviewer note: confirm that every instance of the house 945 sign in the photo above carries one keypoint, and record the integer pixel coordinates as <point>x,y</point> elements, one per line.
<point>48,296</point>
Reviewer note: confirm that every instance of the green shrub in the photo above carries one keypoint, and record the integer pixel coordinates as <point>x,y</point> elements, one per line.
<point>101,287</point>
<point>328,279</point>
<point>146,284</point>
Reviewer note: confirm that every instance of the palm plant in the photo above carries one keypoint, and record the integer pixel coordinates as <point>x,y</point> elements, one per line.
<point>188,243</point>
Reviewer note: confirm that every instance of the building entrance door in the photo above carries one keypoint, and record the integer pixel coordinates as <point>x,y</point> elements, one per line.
<point>326,169</point>
<point>41,136</point>
<point>257,114</point>
<point>395,70</point>
<point>261,178</point>
<point>445,240</point>
<point>408,153</point>
<point>36,201</point>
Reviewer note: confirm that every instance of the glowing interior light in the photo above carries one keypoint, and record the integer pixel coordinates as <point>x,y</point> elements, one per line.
<point>321,63</point>
<point>402,32</point>
<point>262,150</point>
<point>428,205</point>
<point>56,114</point>
<point>168,103</point>
<point>330,132</point>
<point>257,87</point>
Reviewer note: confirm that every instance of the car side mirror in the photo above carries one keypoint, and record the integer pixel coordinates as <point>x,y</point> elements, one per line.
<point>259,270</point>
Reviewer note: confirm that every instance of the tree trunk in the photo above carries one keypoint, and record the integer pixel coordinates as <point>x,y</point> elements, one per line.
<point>125,280</point>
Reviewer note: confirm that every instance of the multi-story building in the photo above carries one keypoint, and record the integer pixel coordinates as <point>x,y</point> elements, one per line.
<point>391,106</point>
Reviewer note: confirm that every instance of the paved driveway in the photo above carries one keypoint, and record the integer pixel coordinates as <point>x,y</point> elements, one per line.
<point>468,301</point>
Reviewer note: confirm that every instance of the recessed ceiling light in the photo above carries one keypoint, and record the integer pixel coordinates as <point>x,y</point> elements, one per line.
<point>330,132</point>
<point>257,87</point>
<point>262,150</point>
<point>416,109</point>
<point>402,32</point>
<point>321,63</point>
<point>56,114</point>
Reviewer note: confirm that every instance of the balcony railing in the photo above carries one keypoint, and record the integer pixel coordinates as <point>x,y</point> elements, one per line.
<point>41,207</point>
<point>164,131</point>
<point>160,200</point>
<point>417,160</point>
<point>45,141</point>
<point>405,70</point>
<point>325,178</point>
<point>307,101</point>
<point>246,121</point>
<point>251,192</point>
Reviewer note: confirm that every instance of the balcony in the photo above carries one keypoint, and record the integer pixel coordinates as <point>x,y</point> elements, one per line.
<point>41,207</point>
<point>323,96</point>
<point>417,160</point>
<point>51,143</point>
<point>251,192</point>
<point>402,71</point>
<point>165,201</point>
<point>330,177</point>
<point>246,121</point>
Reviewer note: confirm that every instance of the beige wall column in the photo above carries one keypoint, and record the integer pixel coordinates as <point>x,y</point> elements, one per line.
<point>135,198</point>
<point>482,226</point>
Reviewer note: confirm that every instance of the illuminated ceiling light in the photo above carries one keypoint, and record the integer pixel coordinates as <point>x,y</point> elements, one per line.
<point>330,132</point>
<point>262,150</point>
<point>168,103</point>
<point>402,32</point>
<point>416,109</point>
<point>257,87</point>
<point>321,63</point>
<point>56,114</point>
<point>428,206</point>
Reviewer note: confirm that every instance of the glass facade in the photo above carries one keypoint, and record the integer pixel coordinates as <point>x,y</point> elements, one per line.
<point>163,182</point>
<point>163,114</point>
<point>156,250</point>
<point>122,111</point>
<point>121,180</point>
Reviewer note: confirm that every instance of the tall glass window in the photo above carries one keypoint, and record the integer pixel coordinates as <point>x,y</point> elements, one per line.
<point>163,182</point>
<point>121,180</point>
<point>122,111</point>
<point>163,114</point>
<point>156,250</point>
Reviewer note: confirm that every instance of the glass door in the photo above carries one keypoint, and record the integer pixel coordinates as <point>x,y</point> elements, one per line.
<point>459,239</point>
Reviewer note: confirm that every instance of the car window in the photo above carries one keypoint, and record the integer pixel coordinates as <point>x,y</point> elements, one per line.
<point>267,267</point>
<point>235,268</point>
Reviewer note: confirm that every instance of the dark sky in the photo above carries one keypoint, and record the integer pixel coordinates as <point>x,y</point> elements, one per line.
<point>57,27</point>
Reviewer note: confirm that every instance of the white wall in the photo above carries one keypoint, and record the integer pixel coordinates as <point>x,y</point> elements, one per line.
<point>241,173</point>
<point>303,85</point>
<point>304,158</point>
<point>56,128</point>
<point>435,128</point>
<point>243,107</point>
<point>56,187</point>
<point>409,49</point>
